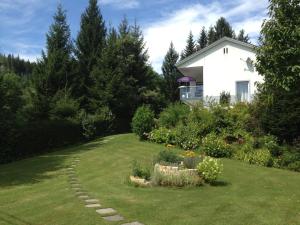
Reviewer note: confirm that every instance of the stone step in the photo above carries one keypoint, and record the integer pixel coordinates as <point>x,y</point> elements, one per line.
<point>133,223</point>
<point>83,196</point>
<point>106,211</point>
<point>93,206</point>
<point>113,218</point>
<point>91,200</point>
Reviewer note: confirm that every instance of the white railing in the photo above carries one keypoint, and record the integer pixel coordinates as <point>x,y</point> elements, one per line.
<point>191,92</point>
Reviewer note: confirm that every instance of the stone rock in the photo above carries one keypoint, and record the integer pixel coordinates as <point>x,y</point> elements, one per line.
<point>114,218</point>
<point>93,206</point>
<point>133,223</point>
<point>92,201</point>
<point>106,211</point>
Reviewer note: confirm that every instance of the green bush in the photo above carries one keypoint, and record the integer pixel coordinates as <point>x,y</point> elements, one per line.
<point>225,98</point>
<point>186,136</point>
<point>143,121</point>
<point>167,156</point>
<point>180,178</point>
<point>210,169</point>
<point>173,114</point>
<point>261,157</point>
<point>162,135</point>
<point>139,171</point>
<point>215,146</point>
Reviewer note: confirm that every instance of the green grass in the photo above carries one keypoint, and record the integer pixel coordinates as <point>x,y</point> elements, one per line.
<point>36,190</point>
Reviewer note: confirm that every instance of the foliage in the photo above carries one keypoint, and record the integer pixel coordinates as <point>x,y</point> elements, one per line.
<point>138,171</point>
<point>278,61</point>
<point>181,178</point>
<point>213,145</point>
<point>223,29</point>
<point>190,46</point>
<point>172,115</point>
<point>190,159</point>
<point>167,156</point>
<point>242,37</point>
<point>162,135</point>
<point>225,98</point>
<point>210,169</point>
<point>202,41</point>
<point>143,121</point>
<point>171,74</point>
<point>187,136</point>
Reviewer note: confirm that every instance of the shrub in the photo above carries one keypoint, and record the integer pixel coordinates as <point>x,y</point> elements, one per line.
<point>225,98</point>
<point>162,135</point>
<point>167,156</point>
<point>143,121</point>
<point>270,142</point>
<point>139,171</point>
<point>294,166</point>
<point>290,159</point>
<point>186,136</point>
<point>179,178</point>
<point>210,169</point>
<point>190,160</point>
<point>261,157</point>
<point>215,146</point>
<point>173,114</point>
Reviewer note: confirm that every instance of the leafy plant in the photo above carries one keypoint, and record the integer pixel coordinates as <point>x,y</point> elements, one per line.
<point>143,121</point>
<point>210,169</point>
<point>215,146</point>
<point>225,98</point>
<point>139,171</point>
<point>162,135</point>
<point>190,160</point>
<point>186,136</point>
<point>167,156</point>
<point>173,114</point>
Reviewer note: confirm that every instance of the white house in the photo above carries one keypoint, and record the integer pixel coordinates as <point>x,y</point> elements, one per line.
<point>226,65</point>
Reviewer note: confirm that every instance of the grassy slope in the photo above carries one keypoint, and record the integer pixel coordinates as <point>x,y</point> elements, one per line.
<point>36,191</point>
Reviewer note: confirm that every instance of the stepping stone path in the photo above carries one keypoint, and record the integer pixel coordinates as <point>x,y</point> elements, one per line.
<point>108,214</point>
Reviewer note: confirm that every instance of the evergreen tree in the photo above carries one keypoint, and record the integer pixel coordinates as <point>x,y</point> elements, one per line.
<point>278,60</point>
<point>89,47</point>
<point>171,74</point>
<point>190,46</point>
<point>202,41</point>
<point>58,55</point>
<point>223,29</point>
<point>243,37</point>
<point>211,36</point>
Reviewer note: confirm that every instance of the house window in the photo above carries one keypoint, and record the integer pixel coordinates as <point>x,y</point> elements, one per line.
<point>242,91</point>
<point>225,51</point>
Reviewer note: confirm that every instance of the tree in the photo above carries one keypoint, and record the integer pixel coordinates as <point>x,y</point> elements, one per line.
<point>89,47</point>
<point>171,74</point>
<point>211,36</point>
<point>202,41</point>
<point>223,29</point>
<point>190,46</point>
<point>243,37</point>
<point>278,60</point>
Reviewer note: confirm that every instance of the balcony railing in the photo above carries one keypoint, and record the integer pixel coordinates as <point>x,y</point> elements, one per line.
<point>191,92</point>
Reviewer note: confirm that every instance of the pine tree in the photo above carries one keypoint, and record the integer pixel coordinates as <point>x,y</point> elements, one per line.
<point>202,41</point>
<point>242,37</point>
<point>211,36</point>
<point>58,56</point>
<point>89,47</point>
<point>190,46</point>
<point>223,29</point>
<point>171,74</point>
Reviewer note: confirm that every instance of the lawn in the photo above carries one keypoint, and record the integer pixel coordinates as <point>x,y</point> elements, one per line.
<point>36,190</point>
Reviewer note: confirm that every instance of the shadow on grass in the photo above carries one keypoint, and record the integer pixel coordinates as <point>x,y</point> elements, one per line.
<point>220,183</point>
<point>38,168</point>
<point>12,220</point>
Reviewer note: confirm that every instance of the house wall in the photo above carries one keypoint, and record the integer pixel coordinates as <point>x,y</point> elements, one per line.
<point>222,71</point>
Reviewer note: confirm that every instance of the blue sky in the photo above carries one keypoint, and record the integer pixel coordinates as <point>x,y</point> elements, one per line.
<point>24,23</point>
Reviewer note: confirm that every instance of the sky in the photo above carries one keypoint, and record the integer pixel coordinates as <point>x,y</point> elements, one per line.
<point>24,23</point>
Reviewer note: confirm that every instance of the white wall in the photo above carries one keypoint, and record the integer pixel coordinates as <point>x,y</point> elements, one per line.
<point>222,71</point>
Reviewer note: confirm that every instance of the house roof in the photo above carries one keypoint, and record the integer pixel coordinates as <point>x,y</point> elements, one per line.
<point>251,46</point>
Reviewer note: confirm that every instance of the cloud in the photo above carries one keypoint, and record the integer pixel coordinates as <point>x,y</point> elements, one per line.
<point>122,4</point>
<point>175,25</point>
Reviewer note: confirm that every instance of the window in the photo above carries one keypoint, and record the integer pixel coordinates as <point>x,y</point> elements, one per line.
<point>242,91</point>
<point>225,51</point>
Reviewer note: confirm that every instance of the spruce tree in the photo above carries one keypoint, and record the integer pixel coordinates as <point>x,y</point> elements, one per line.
<point>89,47</point>
<point>171,74</point>
<point>190,46</point>
<point>223,29</point>
<point>58,55</point>
<point>202,41</point>
<point>243,37</point>
<point>211,36</point>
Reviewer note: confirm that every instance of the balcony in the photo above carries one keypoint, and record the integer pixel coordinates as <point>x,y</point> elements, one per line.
<point>191,93</point>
